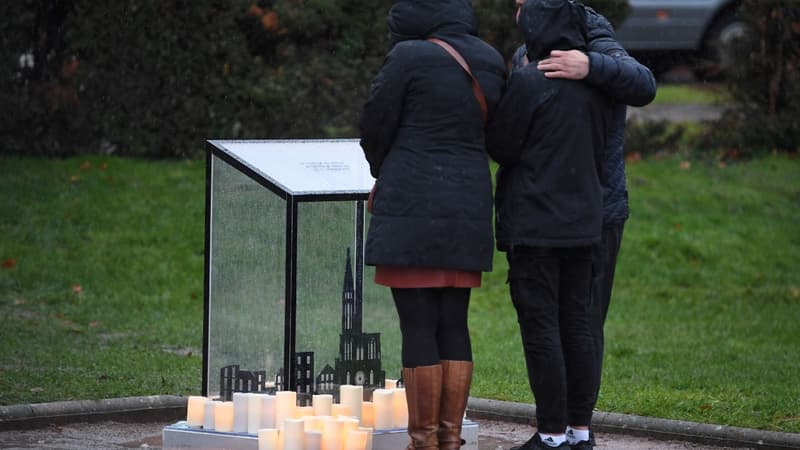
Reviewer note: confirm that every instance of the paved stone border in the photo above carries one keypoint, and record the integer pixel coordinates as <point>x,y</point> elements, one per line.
<point>168,408</point>
<point>666,429</point>
<point>126,409</point>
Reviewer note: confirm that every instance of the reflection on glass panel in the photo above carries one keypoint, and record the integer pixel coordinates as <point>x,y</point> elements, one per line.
<point>380,316</point>
<point>354,339</point>
<point>246,280</point>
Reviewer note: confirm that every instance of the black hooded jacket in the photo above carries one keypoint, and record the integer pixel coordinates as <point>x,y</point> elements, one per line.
<point>626,82</point>
<point>549,137</point>
<point>423,135</point>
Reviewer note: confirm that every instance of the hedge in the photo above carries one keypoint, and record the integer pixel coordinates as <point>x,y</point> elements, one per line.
<point>764,83</point>
<point>156,78</point>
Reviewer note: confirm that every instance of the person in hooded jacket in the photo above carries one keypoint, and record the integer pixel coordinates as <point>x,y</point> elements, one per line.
<point>607,66</point>
<point>549,136</point>
<point>430,234</point>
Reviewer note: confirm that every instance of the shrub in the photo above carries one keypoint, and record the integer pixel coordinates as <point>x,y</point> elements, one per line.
<point>147,78</point>
<point>37,89</point>
<point>649,138</point>
<point>765,82</point>
<point>154,78</point>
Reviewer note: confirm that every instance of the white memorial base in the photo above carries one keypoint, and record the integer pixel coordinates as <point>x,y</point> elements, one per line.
<point>181,436</point>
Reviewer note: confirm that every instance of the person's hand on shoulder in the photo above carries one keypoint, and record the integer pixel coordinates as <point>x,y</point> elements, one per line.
<point>569,64</point>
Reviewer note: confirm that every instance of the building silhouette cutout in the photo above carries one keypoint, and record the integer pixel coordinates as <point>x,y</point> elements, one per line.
<point>358,362</point>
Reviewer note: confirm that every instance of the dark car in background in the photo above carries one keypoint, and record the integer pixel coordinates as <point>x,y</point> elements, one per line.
<point>664,33</point>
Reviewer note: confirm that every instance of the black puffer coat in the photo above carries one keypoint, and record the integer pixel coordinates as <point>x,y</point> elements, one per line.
<point>627,82</point>
<point>549,135</point>
<point>423,135</point>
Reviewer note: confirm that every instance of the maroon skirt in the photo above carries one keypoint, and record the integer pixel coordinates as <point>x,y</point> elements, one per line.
<point>422,277</point>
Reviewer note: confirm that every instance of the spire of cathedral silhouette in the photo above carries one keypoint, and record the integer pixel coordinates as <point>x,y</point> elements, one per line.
<point>358,362</point>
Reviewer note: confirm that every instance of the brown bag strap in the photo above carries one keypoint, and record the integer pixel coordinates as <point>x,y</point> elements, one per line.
<point>476,88</point>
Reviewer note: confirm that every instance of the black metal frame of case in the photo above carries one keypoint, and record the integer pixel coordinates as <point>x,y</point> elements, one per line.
<point>214,149</point>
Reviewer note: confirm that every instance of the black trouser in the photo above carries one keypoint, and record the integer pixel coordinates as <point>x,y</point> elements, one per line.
<point>433,322</point>
<point>604,260</point>
<point>551,290</point>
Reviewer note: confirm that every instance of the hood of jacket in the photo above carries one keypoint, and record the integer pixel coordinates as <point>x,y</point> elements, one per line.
<point>552,25</point>
<point>420,19</point>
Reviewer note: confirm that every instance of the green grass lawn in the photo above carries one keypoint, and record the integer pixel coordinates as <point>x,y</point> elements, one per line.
<point>101,290</point>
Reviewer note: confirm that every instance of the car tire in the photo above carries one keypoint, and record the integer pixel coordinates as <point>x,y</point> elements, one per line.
<point>717,52</point>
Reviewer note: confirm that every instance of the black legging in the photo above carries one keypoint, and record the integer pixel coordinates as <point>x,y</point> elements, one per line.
<point>433,322</point>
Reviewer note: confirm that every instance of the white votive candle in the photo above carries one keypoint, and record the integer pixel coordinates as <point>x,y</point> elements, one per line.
<point>349,424</point>
<point>339,410</point>
<point>268,439</point>
<point>303,411</point>
<point>368,414</point>
<point>331,434</point>
<point>313,440</point>
<point>389,384</point>
<point>293,434</point>
<point>400,405</point>
<point>241,404</point>
<point>269,404</point>
<point>369,436</point>
<point>284,409</point>
<point>382,399</point>
<point>195,409</point>
<point>208,414</point>
<point>254,413</point>
<point>322,404</point>
<point>352,397</point>
<point>313,423</point>
<point>356,440</point>
<point>223,417</point>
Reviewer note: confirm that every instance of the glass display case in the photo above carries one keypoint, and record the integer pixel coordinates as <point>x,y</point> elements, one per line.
<point>289,304</point>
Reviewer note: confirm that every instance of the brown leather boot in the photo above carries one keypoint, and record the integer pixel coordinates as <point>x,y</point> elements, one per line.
<point>456,380</point>
<point>423,394</point>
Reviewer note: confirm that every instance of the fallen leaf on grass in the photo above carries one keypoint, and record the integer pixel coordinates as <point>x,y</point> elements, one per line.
<point>37,389</point>
<point>677,227</point>
<point>86,165</point>
<point>633,157</point>
<point>77,289</point>
<point>9,263</point>
<point>94,324</point>
<point>686,165</point>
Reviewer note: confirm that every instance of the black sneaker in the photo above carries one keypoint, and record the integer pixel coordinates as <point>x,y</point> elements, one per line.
<point>581,445</point>
<point>535,443</point>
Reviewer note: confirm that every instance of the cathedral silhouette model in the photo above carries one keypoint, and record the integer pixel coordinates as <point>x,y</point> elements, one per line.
<point>358,363</point>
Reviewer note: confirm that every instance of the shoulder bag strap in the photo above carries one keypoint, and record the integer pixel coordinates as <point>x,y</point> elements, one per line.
<point>476,88</point>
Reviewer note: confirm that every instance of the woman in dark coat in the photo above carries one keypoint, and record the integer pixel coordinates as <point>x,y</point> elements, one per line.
<point>430,234</point>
